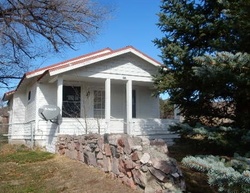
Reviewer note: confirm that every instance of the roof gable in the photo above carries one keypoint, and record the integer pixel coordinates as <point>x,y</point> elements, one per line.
<point>127,65</point>
<point>74,64</point>
<point>89,59</point>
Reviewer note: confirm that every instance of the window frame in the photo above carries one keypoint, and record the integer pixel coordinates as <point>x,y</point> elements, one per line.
<point>99,104</point>
<point>29,95</point>
<point>73,100</point>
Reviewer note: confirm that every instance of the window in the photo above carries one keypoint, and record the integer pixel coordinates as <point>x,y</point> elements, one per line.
<point>71,101</point>
<point>29,95</point>
<point>133,104</point>
<point>99,104</point>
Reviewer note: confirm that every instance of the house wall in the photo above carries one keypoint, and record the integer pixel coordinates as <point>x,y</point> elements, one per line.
<point>122,67</point>
<point>118,101</point>
<point>17,130</point>
<point>46,94</point>
<point>125,65</point>
<point>10,110</point>
<point>146,105</point>
<point>18,108</point>
<point>30,110</point>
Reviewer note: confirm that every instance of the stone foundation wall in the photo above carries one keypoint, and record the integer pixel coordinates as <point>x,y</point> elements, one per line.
<point>136,162</point>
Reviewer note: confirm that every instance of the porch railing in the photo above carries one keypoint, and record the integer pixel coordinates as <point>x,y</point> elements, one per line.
<point>45,133</point>
<point>21,133</point>
<point>154,129</point>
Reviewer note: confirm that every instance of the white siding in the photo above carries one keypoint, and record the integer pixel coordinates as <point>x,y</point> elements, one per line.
<point>128,65</point>
<point>10,106</point>
<point>118,101</point>
<point>18,110</point>
<point>17,128</point>
<point>46,94</point>
<point>146,105</point>
<point>30,110</point>
<point>155,129</point>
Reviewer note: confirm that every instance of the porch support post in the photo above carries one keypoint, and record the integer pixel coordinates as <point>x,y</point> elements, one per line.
<point>59,93</point>
<point>107,103</point>
<point>129,105</point>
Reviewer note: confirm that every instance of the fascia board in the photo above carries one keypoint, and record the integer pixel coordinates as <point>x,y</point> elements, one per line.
<point>84,57</point>
<point>86,63</point>
<point>71,66</point>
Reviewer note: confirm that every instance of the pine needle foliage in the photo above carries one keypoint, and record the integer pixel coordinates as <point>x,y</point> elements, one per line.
<point>230,176</point>
<point>225,81</point>
<point>216,139</point>
<point>206,52</point>
<point>205,49</point>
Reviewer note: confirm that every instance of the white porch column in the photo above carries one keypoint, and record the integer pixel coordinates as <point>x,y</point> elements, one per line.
<point>129,105</point>
<point>59,93</point>
<point>107,103</point>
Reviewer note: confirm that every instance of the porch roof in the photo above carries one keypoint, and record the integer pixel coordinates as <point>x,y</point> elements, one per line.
<point>78,62</point>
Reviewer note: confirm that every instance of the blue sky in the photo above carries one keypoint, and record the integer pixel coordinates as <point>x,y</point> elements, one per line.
<point>133,22</point>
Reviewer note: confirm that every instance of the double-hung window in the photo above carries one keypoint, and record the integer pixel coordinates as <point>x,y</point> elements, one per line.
<point>99,104</point>
<point>71,101</point>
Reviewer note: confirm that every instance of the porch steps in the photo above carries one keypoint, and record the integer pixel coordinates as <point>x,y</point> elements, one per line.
<point>168,138</point>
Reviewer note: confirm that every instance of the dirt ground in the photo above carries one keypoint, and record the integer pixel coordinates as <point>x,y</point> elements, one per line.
<point>55,175</point>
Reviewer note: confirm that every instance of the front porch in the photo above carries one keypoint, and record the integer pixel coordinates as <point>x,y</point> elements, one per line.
<point>106,105</point>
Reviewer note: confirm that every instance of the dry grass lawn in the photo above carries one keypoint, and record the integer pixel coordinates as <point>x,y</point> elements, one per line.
<point>55,174</point>
<point>25,171</point>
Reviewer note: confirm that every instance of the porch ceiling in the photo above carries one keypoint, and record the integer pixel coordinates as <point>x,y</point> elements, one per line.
<point>102,81</point>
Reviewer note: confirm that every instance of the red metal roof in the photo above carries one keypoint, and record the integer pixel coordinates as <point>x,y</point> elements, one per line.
<point>66,61</point>
<point>8,94</point>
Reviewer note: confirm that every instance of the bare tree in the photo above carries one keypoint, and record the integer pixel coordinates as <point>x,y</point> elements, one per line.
<point>30,28</point>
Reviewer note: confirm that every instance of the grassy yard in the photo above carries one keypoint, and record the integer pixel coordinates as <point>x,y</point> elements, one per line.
<point>3,139</point>
<point>26,171</point>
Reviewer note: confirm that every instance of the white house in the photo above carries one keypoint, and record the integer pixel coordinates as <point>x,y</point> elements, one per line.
<point>108,91</point>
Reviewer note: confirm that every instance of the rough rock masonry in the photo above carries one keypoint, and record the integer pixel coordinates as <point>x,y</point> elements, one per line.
<point>135,161</point>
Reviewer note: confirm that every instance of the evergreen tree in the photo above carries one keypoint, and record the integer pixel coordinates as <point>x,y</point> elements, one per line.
<point>196,82</point>
<point>227,175</point>
<point>166,109</point>
<point>225,78</point>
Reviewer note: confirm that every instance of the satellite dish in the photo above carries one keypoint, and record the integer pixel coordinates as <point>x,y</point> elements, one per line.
<point>49,112</point>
